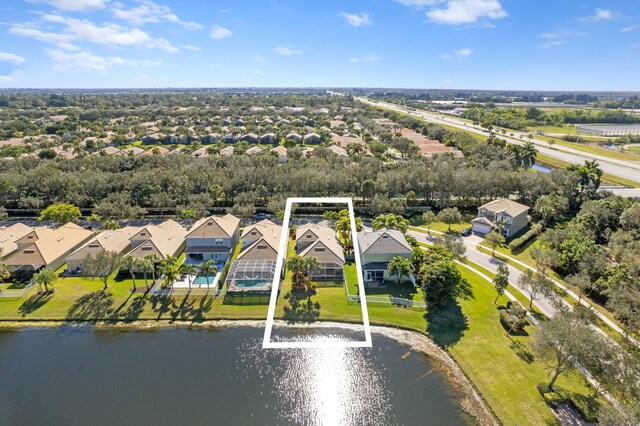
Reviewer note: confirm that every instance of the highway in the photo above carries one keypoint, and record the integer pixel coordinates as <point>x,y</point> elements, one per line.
<point>620,168</point>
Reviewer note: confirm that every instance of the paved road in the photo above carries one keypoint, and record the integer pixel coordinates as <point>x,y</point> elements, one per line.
<point>620,168</point>
<point>488,262</point>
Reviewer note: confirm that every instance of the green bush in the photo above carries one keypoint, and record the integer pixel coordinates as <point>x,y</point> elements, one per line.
<point>552,398</point>
<point>543,388</point>
<point>570,138</point>
<point>223,275</point>
<point>528,236</point>
<point>586,406</point>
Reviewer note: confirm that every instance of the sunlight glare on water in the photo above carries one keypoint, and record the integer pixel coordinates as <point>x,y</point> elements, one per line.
<point>327,386</point>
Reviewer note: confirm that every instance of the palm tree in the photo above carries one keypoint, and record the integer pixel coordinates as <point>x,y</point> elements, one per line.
<point>311,263</point>
<point>399,267</point>
<point>132,264</point>
<point>296,265</point>
<point>146,267</point>
<point>206,268</point>
<point>189,269</point>
<point>154,259</point>
<point>515,154</point>
<point>46,277</point>
<point>390,221</point>
<point>594,172</point>
<point>169,268</point>
<point>528,154</point>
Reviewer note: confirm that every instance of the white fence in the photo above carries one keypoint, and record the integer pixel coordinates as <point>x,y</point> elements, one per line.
<point>385,300</point>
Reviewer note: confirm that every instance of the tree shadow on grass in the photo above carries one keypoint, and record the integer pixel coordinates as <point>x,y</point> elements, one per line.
<point>35,302</point>
<point>161,304</point>
<point>91,306</point>
<point>522,351</point>
<point>301,308</point>
<point>135,308</point>
<point>446,325</point>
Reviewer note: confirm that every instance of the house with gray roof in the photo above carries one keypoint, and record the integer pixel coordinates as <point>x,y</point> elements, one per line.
<point>377,248</point>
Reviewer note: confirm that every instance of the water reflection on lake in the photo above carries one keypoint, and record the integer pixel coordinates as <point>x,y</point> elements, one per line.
<point>181,376</point>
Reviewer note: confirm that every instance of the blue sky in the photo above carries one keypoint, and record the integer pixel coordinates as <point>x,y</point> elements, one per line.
<point>461,44</point>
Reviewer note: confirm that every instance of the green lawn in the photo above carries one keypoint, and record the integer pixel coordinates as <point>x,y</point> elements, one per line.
<point>501,373</point>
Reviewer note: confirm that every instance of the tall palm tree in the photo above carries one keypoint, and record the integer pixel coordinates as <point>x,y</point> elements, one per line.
<point>146,267</point>
<point>399,267</point>
<point>132,264</point>
<point>515,154</point>
<point>390,221</point>
<point>206,268</point>
<point>296,265</point>
<point>46,277</point>
<point>528,154</point>
<point>189,269</point>
<point>170,270</point>
<point>154,259</point>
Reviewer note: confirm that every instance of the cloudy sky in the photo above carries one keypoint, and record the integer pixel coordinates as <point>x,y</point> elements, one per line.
<point>481,44</point>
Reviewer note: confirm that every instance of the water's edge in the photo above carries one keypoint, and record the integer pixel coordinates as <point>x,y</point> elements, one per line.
<point>469,399</point>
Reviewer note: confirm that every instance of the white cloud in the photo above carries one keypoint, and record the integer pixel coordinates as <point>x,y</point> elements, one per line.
<point>365,58</point>
<point>458,53</point>
<point>218,32</point>
<point>6,78</point>
<point>457,12</point>
<point>629,28</point>
<point>84,30</point>
<point>601,15</point>
<point>85,61</point>
<point>192,48</point>
<point>11,57</point>
<point>149,11</point>
<point>448,81</point>
<point>74,5</point>
<point>287,51</point>
<point>356,19</point>
<point>258,58</point>
<point>553,43</point>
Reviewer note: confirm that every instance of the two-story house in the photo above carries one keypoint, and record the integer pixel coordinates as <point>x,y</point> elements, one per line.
<point>255,267</point>
<point>377,248</point>
<point>322,243</point>
<point>213,238</point>
<point>166,239</point>
<point>503,215</point>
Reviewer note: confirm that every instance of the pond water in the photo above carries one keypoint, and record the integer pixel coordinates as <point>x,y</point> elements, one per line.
<point>216,377</point>
<point>540,168</point>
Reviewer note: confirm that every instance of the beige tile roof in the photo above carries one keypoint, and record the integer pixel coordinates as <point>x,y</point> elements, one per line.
<point>10,234</point>
<point>165,239</point>
<point>383,241</point>
<point>214,227</point>
<point>270,235</point>
<point>110,240</point>
<point>505,206</point>
<point>326,236</point>
<point>42,246</point>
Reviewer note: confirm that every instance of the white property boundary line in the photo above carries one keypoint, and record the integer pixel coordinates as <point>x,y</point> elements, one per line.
<point>282,252</point>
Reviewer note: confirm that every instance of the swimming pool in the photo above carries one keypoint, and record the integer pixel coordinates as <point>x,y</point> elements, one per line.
<point>202,280</point>
<point>252,283</point>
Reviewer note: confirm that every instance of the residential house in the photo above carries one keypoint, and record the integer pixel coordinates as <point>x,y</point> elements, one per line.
<point>338,151</point>
<point>322,243</point>
<point>312,139</point>
<point>228,151</point>
<point>293,137</point>
<point>281,152</point>
<point>45,248</point>
<point>209,139</point>
<point>213,238</point>
<point>254,150</point>
<point>152,139</point>
<point>228,138</point>
<point>269,138</point>
<point>376,249</point>
<point>166,239</point>
<point>117,240</point>
<point>255,267</point>
<point>503,215</point>
<point>9,235</point>
<point>249,137</point>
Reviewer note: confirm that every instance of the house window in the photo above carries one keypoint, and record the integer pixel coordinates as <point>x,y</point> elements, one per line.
<point>308,235</point>
<point>262,247</point>
<point>29,251</point>
<point>146,248</point>
<point>319,250</point>
<point>218,241</point>
<point>94,245</point>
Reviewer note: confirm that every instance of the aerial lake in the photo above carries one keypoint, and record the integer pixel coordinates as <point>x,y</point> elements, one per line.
<point>78,375</point>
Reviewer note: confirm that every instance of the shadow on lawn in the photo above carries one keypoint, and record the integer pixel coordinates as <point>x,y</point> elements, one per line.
<point>301,308</point>
<point>189,309</point>
<point>91,306</point>
<point>35,302</point>
<point>135,308</point>
<point>446,325</point>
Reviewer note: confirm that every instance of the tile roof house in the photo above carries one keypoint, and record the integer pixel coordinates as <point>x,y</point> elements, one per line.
<point>322,243</point>
<point>213,238</point>
<point>269,138</point>
<point>228,151</point>
<point>282,154</point>
<point>166,239</point>
<point>377,248</point>
<point>9,235</point>
<point>338,151</point>
<point>117,240</point>
<point>254,150</point>
<point>312,138</point>
<point>45,248</point>
<point>294,137</point>
<point>506,216</point>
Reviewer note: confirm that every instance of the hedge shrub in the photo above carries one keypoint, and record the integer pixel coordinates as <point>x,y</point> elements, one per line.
<point>517,243</point>
<point>552,398</point>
